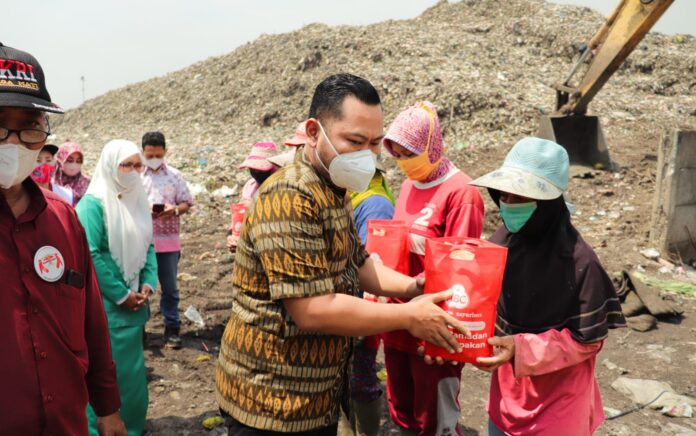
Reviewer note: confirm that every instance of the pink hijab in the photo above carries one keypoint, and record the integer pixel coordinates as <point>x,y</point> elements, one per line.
<point>411,130</point>
<point>79,182</point>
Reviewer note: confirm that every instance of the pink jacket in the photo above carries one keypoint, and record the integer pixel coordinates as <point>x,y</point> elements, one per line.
<point>549,388</point>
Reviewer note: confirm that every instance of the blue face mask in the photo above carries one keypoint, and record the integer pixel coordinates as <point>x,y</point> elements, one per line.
<point>516,215</point>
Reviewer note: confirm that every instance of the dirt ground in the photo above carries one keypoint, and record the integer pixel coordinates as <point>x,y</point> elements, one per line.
<point>614,216</point>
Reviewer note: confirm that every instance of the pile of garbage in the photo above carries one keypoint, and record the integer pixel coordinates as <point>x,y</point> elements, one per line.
<point>488,66</point>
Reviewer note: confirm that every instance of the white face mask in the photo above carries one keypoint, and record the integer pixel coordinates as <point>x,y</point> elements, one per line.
<point>154,163</point>
<point>72,169</point>
<point>16,163</point>
<point>128,181</point>
<point>352,171</point>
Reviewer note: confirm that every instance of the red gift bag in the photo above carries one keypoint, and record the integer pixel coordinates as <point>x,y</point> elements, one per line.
<point>473,269</point>
<point>239,211</point>
<point>387,243</point>
<point>387,240</point>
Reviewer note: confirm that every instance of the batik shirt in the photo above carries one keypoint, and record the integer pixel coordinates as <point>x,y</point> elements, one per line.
<point>298,241</point>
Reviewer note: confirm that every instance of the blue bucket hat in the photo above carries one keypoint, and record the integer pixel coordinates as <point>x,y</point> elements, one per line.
<point>534,168</point>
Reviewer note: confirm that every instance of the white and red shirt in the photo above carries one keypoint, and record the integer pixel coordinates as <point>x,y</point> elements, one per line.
<point>448,206</point>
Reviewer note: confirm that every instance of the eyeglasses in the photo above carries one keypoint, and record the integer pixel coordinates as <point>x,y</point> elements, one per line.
<point>27,136</point>
<point>130,166</point>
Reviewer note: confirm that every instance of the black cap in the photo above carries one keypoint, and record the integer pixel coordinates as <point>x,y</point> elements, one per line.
<point>53,149</point>
<point>22,82</point>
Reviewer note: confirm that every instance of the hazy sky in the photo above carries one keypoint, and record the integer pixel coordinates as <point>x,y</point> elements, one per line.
<point>116,42</point>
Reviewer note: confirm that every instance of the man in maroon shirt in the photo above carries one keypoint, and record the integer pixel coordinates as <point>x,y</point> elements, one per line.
<point>56,353</point>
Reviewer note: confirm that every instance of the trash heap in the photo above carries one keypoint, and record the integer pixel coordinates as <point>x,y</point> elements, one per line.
<point>488,65</point>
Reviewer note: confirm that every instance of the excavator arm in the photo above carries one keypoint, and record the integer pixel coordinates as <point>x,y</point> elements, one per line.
<point>615,40</point>
<point>568,125</point>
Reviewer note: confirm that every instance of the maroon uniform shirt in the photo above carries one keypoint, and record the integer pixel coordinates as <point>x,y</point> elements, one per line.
<point>54,339</point>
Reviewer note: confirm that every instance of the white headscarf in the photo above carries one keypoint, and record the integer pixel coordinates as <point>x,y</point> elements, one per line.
<point>127,211</point>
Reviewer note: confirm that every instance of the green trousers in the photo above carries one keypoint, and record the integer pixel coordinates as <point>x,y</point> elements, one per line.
<point>128,355</point>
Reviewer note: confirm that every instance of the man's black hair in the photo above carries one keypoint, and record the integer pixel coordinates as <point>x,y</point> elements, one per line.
<point>330,93</point>
<point>154,138</point>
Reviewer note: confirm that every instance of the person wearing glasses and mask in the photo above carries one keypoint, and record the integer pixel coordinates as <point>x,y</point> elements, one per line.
<point>116,215</point>
<point>53,332</point>
<point>284,361</point>
<point>435,201</point>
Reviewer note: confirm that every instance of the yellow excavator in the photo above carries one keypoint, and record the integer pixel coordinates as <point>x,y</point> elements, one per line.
<point>569,125</point>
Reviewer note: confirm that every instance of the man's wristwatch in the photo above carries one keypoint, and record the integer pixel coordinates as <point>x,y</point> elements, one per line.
<point>176,210</point>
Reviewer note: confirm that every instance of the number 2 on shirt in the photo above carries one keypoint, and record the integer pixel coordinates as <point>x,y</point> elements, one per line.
<point>425,219</point>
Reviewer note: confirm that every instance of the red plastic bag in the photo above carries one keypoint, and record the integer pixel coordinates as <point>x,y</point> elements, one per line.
<point>473,269</point>
<point>387,240</point>
<point>387,243</point>
<point>238,211</point>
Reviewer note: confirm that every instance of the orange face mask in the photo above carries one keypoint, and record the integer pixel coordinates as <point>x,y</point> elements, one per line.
<point>419,167</point>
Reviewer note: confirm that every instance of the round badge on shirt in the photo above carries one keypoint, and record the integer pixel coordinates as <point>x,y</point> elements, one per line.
<point>49,264</point>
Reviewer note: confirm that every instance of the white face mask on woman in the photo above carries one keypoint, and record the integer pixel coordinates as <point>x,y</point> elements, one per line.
<point>72,169</point>
<point>129,180</point>
<point>352,171</point>
<point>16,163</point>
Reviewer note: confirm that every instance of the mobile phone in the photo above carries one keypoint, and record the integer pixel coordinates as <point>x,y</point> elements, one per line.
<point>157,208</point>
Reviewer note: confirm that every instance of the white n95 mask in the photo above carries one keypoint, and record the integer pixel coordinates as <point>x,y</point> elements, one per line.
<point>352,171</point>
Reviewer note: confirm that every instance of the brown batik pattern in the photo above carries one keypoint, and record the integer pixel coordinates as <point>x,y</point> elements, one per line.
<point>298,240</point>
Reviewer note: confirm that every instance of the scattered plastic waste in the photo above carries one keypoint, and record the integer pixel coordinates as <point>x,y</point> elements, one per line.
<point>196,189</point>
<point>650,253</point>
<point>683,410</point>
<point>194,316</point>
<point>185,277</point>
<point>225,192</point>
<point>211,423</point>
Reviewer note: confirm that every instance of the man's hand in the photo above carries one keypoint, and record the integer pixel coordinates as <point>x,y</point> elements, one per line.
<point>111,425</point>
<point>438,360</point>
<point>169,210</point>
<point>429,322</point>
<point>503,351</point>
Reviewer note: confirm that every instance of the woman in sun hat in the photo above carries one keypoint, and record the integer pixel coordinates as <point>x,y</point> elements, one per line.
<point>261,165</point>
<point>435,201</point>
<point>299,138</point>
<point>260,168</point>
<point>556,306</point>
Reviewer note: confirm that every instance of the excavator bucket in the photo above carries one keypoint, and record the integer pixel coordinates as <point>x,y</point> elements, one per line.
<point>581,136</point>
